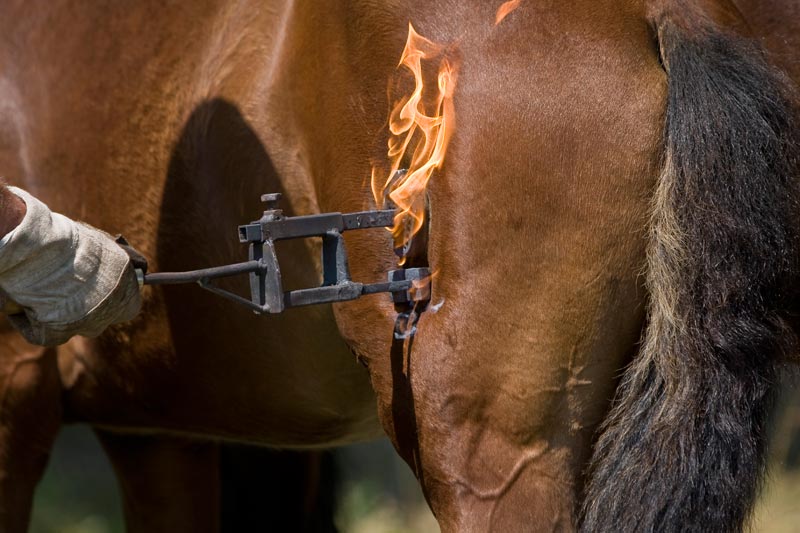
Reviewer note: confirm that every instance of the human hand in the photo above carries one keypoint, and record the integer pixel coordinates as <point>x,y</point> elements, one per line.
<point>67,278</point>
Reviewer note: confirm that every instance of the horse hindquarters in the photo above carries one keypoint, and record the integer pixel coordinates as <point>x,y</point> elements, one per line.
<point>683,449</point>
<point>535,238</point>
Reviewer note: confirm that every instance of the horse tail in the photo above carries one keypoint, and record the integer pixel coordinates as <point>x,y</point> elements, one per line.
<point>683,448</point>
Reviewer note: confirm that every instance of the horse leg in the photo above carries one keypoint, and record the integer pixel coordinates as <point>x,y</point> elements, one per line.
<point>174,484</point>
<point>30,416</point>
<point>279,490</point>
<point>537,239</point>
<point>499,434</point>
<point>168,483</point>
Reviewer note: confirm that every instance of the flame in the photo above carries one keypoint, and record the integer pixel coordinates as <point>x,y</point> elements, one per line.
<point>411,124</point>
<point>421,288</point>
<point>505,9</point>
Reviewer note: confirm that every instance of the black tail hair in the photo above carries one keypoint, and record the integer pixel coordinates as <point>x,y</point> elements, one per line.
<point>683,448</point>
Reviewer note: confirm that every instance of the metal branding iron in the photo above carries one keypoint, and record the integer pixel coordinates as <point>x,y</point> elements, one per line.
<point>266,290</point>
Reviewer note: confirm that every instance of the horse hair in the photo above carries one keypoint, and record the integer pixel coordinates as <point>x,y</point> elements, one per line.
<point>683,448</point>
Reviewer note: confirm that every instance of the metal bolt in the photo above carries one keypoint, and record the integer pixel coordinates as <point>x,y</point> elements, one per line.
<point>271,199</point>
<point>272,212</point>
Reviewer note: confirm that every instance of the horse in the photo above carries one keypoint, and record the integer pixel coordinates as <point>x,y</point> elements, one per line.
<point>613,235</point>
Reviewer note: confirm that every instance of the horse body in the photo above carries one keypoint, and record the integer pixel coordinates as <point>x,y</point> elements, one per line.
<point>166,123</point>
<point>119,85</point>
<point>777,25</point>
<point>181,202</point>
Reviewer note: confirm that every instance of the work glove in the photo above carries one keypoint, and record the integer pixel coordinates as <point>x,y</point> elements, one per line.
<point>67,277</point>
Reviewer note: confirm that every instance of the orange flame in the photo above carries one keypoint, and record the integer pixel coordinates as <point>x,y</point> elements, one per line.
<point>505,9</point>
<point>409,122</point>
<point>421,288</point>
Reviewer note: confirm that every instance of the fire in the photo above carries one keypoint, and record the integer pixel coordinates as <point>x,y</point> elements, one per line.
<point>505,9</point>
<point>417,131</point>
<point>421,288</point>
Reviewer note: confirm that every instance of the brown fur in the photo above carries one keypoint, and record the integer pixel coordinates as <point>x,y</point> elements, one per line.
<point>166,122</point>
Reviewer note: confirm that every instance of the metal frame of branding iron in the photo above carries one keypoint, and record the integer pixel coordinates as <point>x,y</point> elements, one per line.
<point>266,288</point>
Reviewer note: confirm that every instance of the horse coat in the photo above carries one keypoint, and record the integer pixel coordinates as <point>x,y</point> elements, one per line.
<point>570,208</point>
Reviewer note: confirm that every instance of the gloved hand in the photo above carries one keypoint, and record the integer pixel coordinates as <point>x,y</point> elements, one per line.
<point>68,277</point>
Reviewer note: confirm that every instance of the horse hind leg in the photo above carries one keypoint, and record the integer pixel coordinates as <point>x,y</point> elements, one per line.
<point>172,483</point>
<point>30,417</point>
<point>168,483</point>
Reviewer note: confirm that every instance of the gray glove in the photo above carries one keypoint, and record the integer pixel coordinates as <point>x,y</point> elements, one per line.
<point>68,277</point>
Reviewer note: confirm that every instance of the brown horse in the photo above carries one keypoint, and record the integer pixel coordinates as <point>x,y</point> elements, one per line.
<point>567,211</point>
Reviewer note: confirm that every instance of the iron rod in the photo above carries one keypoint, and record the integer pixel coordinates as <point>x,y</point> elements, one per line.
<point>194,276</point>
